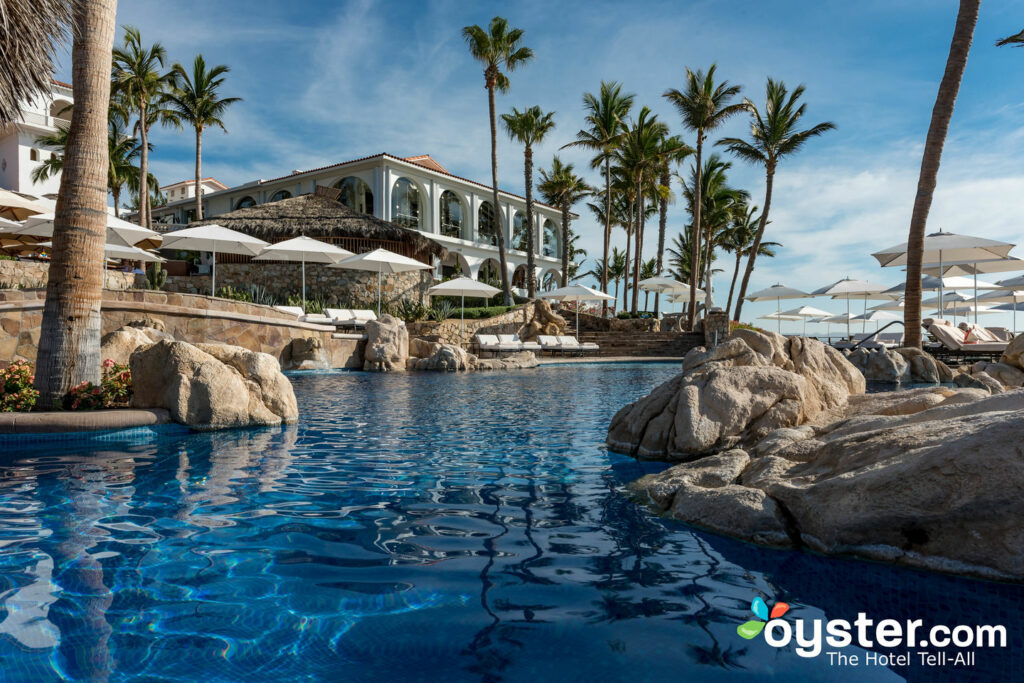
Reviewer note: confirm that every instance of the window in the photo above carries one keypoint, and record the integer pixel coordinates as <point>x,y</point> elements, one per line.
<point>245,202</point>
<point>405,204</point>
<point>33,155</point>
<point>281,194</point>
<point>519,234</point>
<point>356,194</point>
<point>487,230</point>
<point>550,247</point>
<point>451,214</point>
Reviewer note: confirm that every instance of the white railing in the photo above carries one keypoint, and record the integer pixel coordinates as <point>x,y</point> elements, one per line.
<point>37,119</point>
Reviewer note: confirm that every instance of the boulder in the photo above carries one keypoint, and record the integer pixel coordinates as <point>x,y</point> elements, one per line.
<point>1007,375</point>
<point>387,345</point>
<point>421,348</point>
<point>880,365</point>
<point>305,353</point>
<point>750,385</point>
<point>211,386</point>
<point>543,321</point>
<point>513,361</point>
<point>963,379</point>
<point>119,345</point>
<point>443,358</point>
<point>1014,353</point>
<point>924,367</point>
<point>938,489</point>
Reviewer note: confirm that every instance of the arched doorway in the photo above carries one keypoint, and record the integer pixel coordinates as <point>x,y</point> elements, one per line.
<point>355,194</point>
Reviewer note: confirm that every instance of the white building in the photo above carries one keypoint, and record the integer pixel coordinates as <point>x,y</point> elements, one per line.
<point>19,153</point>
<point>416,192</point>
<point>186,189</point>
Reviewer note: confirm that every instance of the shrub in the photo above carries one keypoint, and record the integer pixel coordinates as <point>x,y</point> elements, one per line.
<point>230,292</point>
<point>314,304</point>
<point>260,295</point>
<point>442,310</point>
<point>114,391</point>
<point>410,311</point>
<point>486,312</point>
<point>18,393</point>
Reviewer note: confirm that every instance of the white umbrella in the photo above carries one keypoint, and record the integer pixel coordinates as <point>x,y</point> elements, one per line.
<point>18,208</point>
<point>382,261</point>
<point>965,310</point>
<point>778,317</point>
<point>777,292</point>
<point>661,284</point>
<point>214,238</point>
<point>847,288</point>
<point>118,231</point>
<point>577,293</point>
<point>875,316</point>
<point>303,249</point>
<point>1004,296</point>
<point>806,312</point>
<point>463,287</point>
<point>119,251</point>
<point>1004,265</point>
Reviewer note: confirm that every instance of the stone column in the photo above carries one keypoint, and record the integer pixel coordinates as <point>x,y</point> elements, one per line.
<point>716,327</point>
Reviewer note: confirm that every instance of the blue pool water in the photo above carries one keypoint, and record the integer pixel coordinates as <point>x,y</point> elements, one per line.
<point>414,528</point>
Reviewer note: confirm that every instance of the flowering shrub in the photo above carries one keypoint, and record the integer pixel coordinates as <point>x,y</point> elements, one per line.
<point>16,392</point>
<point>113,392</point>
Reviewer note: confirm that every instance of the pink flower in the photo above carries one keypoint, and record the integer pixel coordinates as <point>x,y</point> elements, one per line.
<point>108,363</point>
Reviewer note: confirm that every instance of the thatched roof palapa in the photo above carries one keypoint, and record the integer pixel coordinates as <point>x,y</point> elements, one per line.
<point>320,215</point>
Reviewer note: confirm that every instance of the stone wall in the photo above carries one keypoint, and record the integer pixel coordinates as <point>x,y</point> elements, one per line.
<point>340,287</point>
<point>188,317</point>
<point>447,331</point>
<point>34,274</point>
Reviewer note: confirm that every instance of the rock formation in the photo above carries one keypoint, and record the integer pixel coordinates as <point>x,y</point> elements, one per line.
<point>438,356</point>
<point>899,365</point>
<point>544,321</point>
<point>735,394</point>
<point>212,386</point>
<point>930,478</point>
<point>122,342</point>
<point>305,353</point>
<point>387,345</point>
<point>1014,353</point>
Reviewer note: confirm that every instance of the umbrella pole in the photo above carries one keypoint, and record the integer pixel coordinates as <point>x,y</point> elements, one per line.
<point>462,319</point>
<point>778,313</point>
<point>942,309</point>
<point>975,267</point>
<point>303,285</point>
<point>213,271</point>
<point>380,270</point>
<point>864,323</point>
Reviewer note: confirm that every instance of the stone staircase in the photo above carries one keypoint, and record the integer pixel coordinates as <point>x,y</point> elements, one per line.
<point>640,344</point>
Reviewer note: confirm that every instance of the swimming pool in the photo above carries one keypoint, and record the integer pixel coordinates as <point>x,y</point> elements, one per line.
<point>416,527</point>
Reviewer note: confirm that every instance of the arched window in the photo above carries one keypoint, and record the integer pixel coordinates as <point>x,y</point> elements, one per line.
<point>519,231</point>
<point>281,194</point>
<point>61,109</point>
<point>405,204</point>
<point>245,202</point>
<point>550,247</point>
<point>487,227</point>
<point>550,281</point>
<point>451,214</point>
<point>356,194</point>
<point>489,272</point>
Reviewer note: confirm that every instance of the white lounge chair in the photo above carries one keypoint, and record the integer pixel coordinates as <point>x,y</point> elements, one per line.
<point>573,344</point>
<point>954,339</point>
<point>549,343</point>
<point>1001,333</point>
<point>510,343</point>
<point>339,316</point>
<point>488,342</point>
<point>294,310</point>
<point>318,318</point>
<point>363,316</point>
<point>527,345</point>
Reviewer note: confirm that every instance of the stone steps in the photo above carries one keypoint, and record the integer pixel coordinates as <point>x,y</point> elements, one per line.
<point>661,344</point>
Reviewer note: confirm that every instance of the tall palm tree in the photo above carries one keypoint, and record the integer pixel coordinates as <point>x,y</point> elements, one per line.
<point>673,151</point>
<point>774,136</point>
<point>1016,40</point>
<point>529,128</point>
<point>703,106</point>
<point>649,269</point>
<point>606,121</point>
<point>561,187</point>
<point>139,78</point>
<point>739,239</point>
<point>196,100</point>
<point>499,49</point>
<point>29,32</point>
<point>69,340</point>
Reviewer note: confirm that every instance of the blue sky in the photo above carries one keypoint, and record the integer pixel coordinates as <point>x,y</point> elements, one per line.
<point>323,82</point>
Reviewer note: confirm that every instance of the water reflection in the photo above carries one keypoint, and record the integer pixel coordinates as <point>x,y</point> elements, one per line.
<point>412,528</point>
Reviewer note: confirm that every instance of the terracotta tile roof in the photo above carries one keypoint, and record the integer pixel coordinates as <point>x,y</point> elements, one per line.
<point>60,83</point>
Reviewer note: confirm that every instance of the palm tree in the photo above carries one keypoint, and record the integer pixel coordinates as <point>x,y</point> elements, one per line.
<point>606,116</point>
<point>739,240</point>
<point>649,269</point>
<point>703,107</point>
<point>69,340</point>
<point>774,136</point>
<point>576,256</point>
<point>1016,40</point>
<point>138,78</point>
<point>529,128</point>
<point>563,188</point>
<point>196,101</point>
<point>498,48</point>
<point>616,269</point>
<point>673,151</point>
<point>30,31</point>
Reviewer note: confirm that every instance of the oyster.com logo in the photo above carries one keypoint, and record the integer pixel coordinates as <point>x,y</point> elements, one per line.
<point>751,629</point>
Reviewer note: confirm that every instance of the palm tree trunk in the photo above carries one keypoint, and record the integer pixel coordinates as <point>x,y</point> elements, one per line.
<point>732,285</point>
<point>506,286</point>
<point>756,246</point>
<point>565,244</point>
<point>629,246</point>
<point>116,193</point>
<point>199,173</point>
<point>709,299</point>
<point>143,166</point>
<point>69,340</point>
<point>696,233</point>
<point>607,233</point>
<point>942,113</point>
<point>638,257</point>
<point>531,281</point>
<point>665,179</point>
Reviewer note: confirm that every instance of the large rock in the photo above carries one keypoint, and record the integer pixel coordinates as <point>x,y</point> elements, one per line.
<point>1014,353</point>
<point>387,345</point>
<point>119,345</point>
<point>1006,374</point>
<point>442,358</point>
<point>734,394</point>
<point>938,489</point>
<point>212,386</point>
<point>305,353</point>
<point>924,367</point>
<point>880,365</point>
<point>543,321</point>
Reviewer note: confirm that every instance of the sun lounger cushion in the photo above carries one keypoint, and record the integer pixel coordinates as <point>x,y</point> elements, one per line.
<point>568,342</point>
<point>315,318</point>
<point>1001,333</point>
<point>487,341</point>
<point>548,342</point>
<point>364,315</point>
<point>977,333</point>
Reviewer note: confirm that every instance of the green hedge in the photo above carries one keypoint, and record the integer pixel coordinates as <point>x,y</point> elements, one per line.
<point>483,312</point>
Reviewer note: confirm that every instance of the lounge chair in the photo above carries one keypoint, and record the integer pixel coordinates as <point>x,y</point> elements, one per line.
<point>1001,333</point>
<point>363,316</point>
<point>549,343</point>
<point>954,341</point>
<point>340,316</point>
<point>318,318</point>
<point>509,343</point>
<point>572,344</point>
<point>488,342</point>
<point>528,345</point>
<point>294,310</point>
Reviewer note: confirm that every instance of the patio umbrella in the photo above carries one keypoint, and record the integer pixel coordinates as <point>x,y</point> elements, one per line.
<point>946,247</point>
<point>847,288</point>
<point>876,317</point>
<point>966,309</point>
<point>118,251</point>
<point>303,249</point>
<point>118,231</point>
<point>382,261</point>
<point>15,207</point>
<point>666,285</point>
<point>1010,297</point>
<point>806,312</point>
<point>577,293</point>
<point>214,238</point>
<point>463,287</point>
<point>1005,265</point>
<point>778,292</point>
<point>778,317</point>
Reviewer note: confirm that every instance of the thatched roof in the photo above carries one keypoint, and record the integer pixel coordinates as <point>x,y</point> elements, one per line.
<point>319,215</point>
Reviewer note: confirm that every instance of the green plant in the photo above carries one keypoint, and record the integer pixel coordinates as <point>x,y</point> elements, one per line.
<point>441,310</point>
<point>16,382</point>
<point>4,256</point>
<point>410,311</point>
<point>156,276</point>
<point>230,292</point>
<point>10,285</point>
<point>314,304</point>
<point>114,391</point>
<point>261,295</point>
